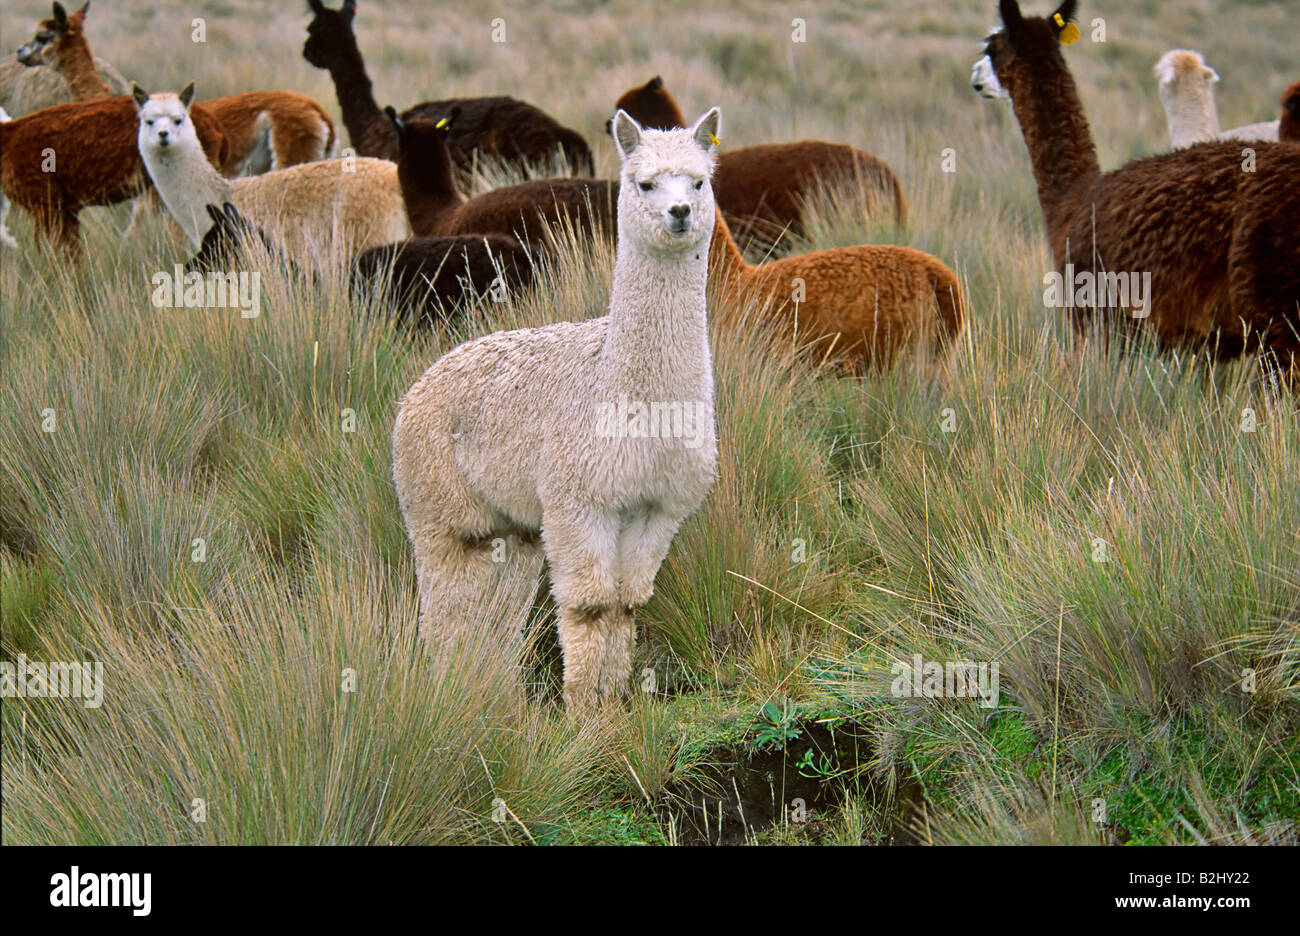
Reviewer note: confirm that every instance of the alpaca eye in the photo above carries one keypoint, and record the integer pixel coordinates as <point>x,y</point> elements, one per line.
<point>177,121</point>
<point>148,123</point>
<point>699,185</point>
<point>647,186</point>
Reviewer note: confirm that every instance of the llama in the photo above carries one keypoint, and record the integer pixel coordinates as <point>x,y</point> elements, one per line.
<point>1186,86</point>
<point>425,277</point>
<point>354,203</point>
<point>1289,126</point>
<point>512,435</point>
<point>96,162</point>
<point>501,128</point>
<point>1216,240</point>
<point>763,190</point>
<point>861,304</point>
<point>221,245</point>
<point>266,129</point>
<point>435,206</point>
<point>29,85</point>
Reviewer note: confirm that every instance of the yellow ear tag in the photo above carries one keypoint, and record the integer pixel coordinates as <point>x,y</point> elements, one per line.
<point>716,141</point>
<point>441,124</point>
<point>1069,31</point>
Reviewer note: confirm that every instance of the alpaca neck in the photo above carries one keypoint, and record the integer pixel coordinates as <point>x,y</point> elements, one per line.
<point>1193,117</point>
<point>77,66</point>
<point>428,190</point>
<point>187,184</point>
<point>657,344</point>
<point>725,259</point>
<point>355,93</point>
<point>1056,131</point>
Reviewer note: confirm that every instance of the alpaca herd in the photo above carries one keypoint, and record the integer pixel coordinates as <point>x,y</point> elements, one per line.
<point>509,438</point>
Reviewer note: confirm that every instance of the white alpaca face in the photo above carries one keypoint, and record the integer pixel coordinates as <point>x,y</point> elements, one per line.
<point>165,125</point>
<point>1183,68</point>
<point>985,80</point>
<point>666,198</point>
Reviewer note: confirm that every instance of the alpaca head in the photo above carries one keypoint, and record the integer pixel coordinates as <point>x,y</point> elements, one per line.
<point>52,34</point>
<point>1183,73</point>
<point>222,239</point>
<point>422,154</point>
<point>665,198</point>
<point>1023,49</point>
<point>328,32</point>
<point>165,125</point>
<point>651,106</point>
<point>1289,128</point>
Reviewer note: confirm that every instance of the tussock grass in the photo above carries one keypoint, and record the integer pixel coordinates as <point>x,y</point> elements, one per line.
<point>848,530</point>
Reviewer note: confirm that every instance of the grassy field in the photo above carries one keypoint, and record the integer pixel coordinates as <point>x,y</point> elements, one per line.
<point>1119,531</point>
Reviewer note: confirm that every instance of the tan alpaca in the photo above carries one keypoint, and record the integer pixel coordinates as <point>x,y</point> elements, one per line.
<point>1186,86</point>
<point>339,206</point>
<point>516,437</point>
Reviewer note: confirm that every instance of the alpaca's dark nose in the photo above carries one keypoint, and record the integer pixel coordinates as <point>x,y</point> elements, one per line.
<point>680,212</point>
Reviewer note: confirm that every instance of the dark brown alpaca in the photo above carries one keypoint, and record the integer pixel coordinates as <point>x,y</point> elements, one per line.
<point>1213,226</point>
<point>763,190</point>
<point>431,276</point>
<point>95,161</point>
<point>500,128</point>
<point>1288,130</point>
<point>435,207</point>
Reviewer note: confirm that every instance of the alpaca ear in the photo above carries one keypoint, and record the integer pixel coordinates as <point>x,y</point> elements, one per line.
<point>1067,10</point>
<point>1010,13</point>
<point>654,84</point>
<point>140,95</point>
<point>60,16</point>
<point>1211,75</point>
<point>85,8</point>
<point>398,125</point>
<point>708,130</point>
<point>349,9</point>
<point>214,213</point>
<point>187,95</point>
<point>316,6</point>
<point>627,134</point>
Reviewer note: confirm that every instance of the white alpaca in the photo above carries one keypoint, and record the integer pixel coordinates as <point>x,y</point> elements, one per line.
<point>6,239</point>
<point>1186,86</point>
<point>525,434</point>
<point>344,205</point>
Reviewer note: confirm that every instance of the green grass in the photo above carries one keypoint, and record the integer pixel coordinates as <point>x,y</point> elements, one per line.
<point>847,530</point>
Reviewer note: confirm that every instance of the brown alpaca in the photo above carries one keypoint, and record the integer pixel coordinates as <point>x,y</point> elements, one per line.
<point>763,190</point>
<point>90,149</point>
<point>1213,224</point>
<point>60,42</point>
<point>266,129</point>
<point>435,206</point>
<point>1289,128</point>
<point>859,305</point>
<point>499,128</point>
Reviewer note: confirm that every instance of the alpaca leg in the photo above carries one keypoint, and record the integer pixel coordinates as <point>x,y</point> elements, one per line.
<point>584,637</point>
<point>642,548</point>
<point>581,546</point>
<point>616,666</point>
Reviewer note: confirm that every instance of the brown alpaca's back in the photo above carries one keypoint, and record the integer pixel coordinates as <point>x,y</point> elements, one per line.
<point>523,210</point>
<point>862,305</point>
<point>762,190</point>
<point>96,160</point>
